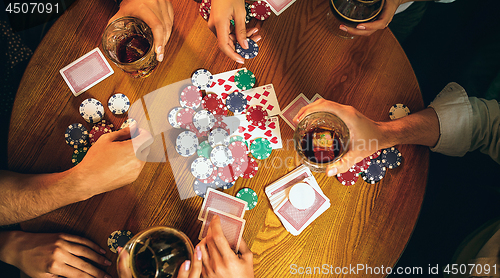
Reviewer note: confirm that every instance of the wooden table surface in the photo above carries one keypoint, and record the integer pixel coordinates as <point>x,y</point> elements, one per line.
<point>366,224</point>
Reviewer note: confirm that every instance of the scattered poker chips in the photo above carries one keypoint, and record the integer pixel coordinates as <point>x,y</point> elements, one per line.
<point>236,102</point>
<point>218,136</point>
<point>221,156</point>
<point>261,148</point>
<point>348,178</point>
<point>92,110</point>
<point>375,172</point>
<point>200,188</point>
<point>118,239</point>
<point>184,117</point>
<point>244,79</point>
<point>127,123</point>
<point>252,168</point>
<point>190,97</point>
<point>76,135</point>
<point>203,120</point>
<point>118,104</point>
<point>248,195</point>
<point>260,10</point>
<point>186,143</point>
<point>204,149</point>
<point>202,168</point>
<point>398,111</point>
<point>213,104</point>
<point>202,79</point>
<point>391,158</point>
<point>97,131</point>
<point>250,52</point>
<point>78,155</point>
<point>256,115</point>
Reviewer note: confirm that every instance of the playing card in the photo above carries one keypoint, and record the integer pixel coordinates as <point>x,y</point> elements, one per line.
<point>86,71</point>
<point>271,131</point>
<point>264,96</point>
<point>315,97</point>
<point>298,174</point>
<point>223,83</point>
<point>278,6</point>
<point>224,202</point>
<point>292,109</point>
<point>232,227</point>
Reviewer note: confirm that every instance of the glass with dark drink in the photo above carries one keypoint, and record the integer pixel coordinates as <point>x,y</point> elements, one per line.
<point>321,139</point>
<point>128,42</point>
<point>351,13</point>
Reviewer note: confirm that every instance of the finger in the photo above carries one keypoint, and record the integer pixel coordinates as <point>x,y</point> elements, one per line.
<point>184,270</point>
<point>119,135</point>
<point>357,32</point>
<point>246,253</point>
<point>66,270</point>
<point>153,21</point>
<point>79,266</point>
<point>168,20</point>
<point>82,241</point>
<point>123,263</point>
<point>305,111</point>
<point>225,44</point>
<point>205,258</point>
<point>252,31</point>
<point>197,265</point>
<point>239,26</point>
<point>219,239</point>
<point>82,251</point>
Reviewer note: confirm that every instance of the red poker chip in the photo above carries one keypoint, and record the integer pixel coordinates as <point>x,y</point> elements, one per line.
<point>239,151</point>
<point>190,97</point>
<point>376,154</point>
<point>97,131</point>
<point>212,177</point>
<point>260,10</point>
<point>226,173</point>
<point>192,128</point>
<point>185,117</point>
<point>252,168</point>
<point>348,178</point>
<point>362,165</point>
<point>257,115</point>
<point>204,11</point>
<point>213,104</point>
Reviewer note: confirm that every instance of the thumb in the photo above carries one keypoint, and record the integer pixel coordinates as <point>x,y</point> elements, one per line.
<point>119,135</point>
<point>342,165</point>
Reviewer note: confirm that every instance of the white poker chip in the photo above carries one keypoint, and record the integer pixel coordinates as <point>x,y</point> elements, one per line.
<point>127,123</point>
<point>186,143</point>
<point>302,196</point>
<point>118,104</point>
<point>203,120</point>
<point>202,79</point>
<point>202,168</point>
<point>218,136</point>
<point>172,117</point>
<point>92,110</point>
<point>221,156</point>
<point>398,111</point>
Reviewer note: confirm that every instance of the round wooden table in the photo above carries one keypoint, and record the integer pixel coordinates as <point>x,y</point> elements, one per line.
<point>366,224</point>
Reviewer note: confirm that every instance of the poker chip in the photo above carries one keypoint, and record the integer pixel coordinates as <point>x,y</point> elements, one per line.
<point>211,178</point>
<point>202,168</point>
<point>238,151</point>
<point>200,188</point>
<point>226,174</point>
<point>252,168</point>
<point>248,195</point>
<point>261,148</point>
<point>219,123</point>
<point>260,10</point>
<point>118,104</point>
<point>391,158</point>
<point>238,138</point>
<point>250,52</point>
<point>221,156</point>
<point>204,11</point>
<point>97,131</point>
<point>213,104</point>
<point>198,133</point>
<point>203,120</point>
<point>365,163</point>
<point>172,117</point>
<point>348,178</point>
<point>76,135</point>
<point>218,136</point>
<point>190,97</point>
<point>202,79</point>
<point>186,143</point>
<point>127,123</point>
<point>204,149</point>
<point>375,172</point>
<point>257,115</point>
<point>398,111</point>
<point>301,196</point>
<point>248,9</point>
<point>244,79</point>
<point>236,102</point>
<point>92,110</point>
<point>118,239</point>
<point>184,117</point>
<point>78,155</point>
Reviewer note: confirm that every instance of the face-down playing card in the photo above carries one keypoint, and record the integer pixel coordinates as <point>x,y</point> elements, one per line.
<point>232,227</point>
<point>221,201</point>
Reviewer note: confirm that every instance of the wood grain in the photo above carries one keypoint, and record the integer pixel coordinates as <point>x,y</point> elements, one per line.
<point>366,224</point>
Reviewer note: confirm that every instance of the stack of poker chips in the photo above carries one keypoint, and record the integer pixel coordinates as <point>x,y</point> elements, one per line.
<point>259,10</point>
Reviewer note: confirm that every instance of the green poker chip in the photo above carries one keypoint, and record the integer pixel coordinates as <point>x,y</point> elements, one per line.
<point>249,196</point>
<point>204,149</point>
<point>244,79</point>
<point>235,138</point>
<point>78,155</point>
<point>261,148</point>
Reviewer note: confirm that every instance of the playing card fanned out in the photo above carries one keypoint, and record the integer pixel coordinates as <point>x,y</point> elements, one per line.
<point>278,6</point>
<point>232,227</point>
<point>86,71</point>
<point>264,96</point>
<point>293,219</point>
<point>270,131</point>
<point>223,83</point>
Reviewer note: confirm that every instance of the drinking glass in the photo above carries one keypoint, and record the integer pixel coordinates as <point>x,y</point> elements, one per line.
<point>351,13</point>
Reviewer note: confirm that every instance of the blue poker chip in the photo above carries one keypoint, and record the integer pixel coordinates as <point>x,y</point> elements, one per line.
<point>202,79</point>
<point>222,184</point>
<point>248,9</point>
<point>375,172</point>
<point>76,135</point>
<point>200,188</point>
<point>391,157</point>
<point>236,102</point>
<point>251,52</point>
<point>118,239</point>
<point>118,104</point>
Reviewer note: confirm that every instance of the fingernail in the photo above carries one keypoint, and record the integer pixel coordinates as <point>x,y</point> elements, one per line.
<point>158,49</point>
<point>106,262</point>
<point>102,251</point>
<point>343,28</point>
<point>119,250</point>
<point>332,172</point>
<point>255,31</point>
<point>361,27</point>
<point>160,57</point>
<point>187,265</point>
<point>241,61</point>
<point>198,252</point>
<point>245,44</point>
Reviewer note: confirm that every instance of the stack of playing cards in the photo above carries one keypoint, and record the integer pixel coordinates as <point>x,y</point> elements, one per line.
<point>297,199</point>
<point>230,211</point>
<point>294,107</point>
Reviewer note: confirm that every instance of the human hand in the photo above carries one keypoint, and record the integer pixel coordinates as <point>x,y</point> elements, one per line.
<point>50,255</point>
<point>157,14</point>
<point>218,258</point>
<point>368,28</point>
<point>366,136</point>
<point>222,11</point>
